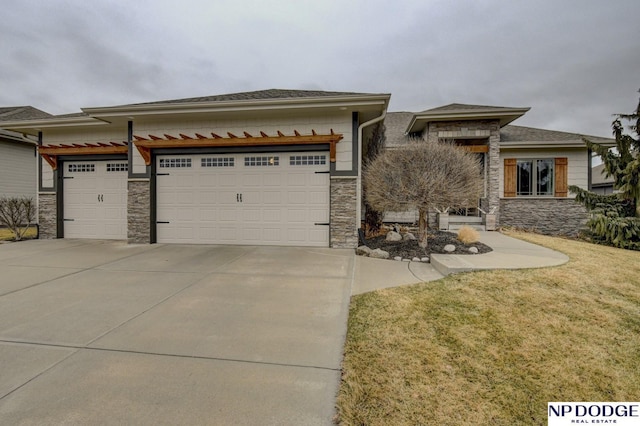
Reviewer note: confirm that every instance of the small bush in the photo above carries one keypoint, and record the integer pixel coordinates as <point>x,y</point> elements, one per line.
<point>17,214</point>
<point>468,235</point>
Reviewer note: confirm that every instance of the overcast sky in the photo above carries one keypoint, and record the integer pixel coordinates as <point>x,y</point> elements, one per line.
<point>574,62</point>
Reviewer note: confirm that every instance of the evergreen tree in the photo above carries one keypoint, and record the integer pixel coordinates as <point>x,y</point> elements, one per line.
<point>624,165</point>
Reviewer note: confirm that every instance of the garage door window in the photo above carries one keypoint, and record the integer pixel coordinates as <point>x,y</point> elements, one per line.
<point>217,162</point>
<point>117,167</point>
<point>261,161</point>
<point>174,163</point>
<point>307,160</point>
<point>82,168</point>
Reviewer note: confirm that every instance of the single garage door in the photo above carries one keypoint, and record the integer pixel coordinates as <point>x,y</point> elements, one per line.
<point>95,199</point>
<point>254,199</point>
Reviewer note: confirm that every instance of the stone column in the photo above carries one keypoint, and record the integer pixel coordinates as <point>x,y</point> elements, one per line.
<point>139,211</point>
<point>47,215</point>
<point>493,163</point>
<point>343,230</point>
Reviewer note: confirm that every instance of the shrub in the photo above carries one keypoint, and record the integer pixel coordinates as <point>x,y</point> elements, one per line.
<point>468,235</point>
<point>17,214</point>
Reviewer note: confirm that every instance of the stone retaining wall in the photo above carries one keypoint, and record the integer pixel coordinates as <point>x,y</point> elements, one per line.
<point>551,216</point>
<point>139,212</point>
<point>47,225</point>
<point>343,231</point>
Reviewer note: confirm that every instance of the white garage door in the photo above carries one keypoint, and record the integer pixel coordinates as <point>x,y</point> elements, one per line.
<point>95,199</point>
<point>255,199</point>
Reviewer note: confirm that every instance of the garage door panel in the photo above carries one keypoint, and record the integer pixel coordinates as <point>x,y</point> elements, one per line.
<point>261,199</point>
<point>95,199</point>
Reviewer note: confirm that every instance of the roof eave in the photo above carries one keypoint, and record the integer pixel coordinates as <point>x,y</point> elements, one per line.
<point>543,144</point>
<point>420,121</point>
<point>353,102</point>
<point>34,126</point>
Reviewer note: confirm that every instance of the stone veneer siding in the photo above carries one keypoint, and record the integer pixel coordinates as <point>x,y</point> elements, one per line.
<point>139,212</point>
<point>551,216</point>
<point>343,232</point>
<point>47,225</point>
<point>468,128</point>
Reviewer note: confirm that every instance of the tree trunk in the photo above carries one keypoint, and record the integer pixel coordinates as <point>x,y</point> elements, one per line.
<point>422,228</point>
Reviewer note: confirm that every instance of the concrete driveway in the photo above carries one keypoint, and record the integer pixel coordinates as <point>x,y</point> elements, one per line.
<point>100,332</point>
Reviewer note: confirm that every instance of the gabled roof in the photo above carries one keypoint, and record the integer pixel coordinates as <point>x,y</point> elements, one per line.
<point>280,101</point>
<point>598,177</point>
<point>521,136</point>
<point>256,95</point>
<point>395,124</point>
<point>21,113</point>
<point>454,112</point>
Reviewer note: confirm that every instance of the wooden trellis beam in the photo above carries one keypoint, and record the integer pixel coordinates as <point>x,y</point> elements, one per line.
<point>146,144</point>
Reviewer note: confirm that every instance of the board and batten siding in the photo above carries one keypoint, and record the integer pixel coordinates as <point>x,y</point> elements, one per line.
<point>18,166</point>
<point>577,164</point>
<point>340,122</point>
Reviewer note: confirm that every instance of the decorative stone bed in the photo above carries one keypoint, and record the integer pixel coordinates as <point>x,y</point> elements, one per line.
<point>407,249</point>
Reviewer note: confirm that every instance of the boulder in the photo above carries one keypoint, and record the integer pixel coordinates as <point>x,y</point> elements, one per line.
<point>363,251</point>
<point>425,259</point>
<point>394,236</point>
<point>449,248</point>
<point>415,259</point>
<point>379,254</point>
<point>473,250</point>
<point>409,237</point>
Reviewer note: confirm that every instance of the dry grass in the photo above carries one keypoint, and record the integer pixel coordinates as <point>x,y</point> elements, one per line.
<point>7,235</point>
<point>468,235</point>
<point>494,347</point>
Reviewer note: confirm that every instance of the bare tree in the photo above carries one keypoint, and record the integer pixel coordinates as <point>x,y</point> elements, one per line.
<point>17,214</point>
<point>423,176</point>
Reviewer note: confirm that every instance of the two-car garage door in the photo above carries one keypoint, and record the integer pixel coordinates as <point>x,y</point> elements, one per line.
<point>255,199</point>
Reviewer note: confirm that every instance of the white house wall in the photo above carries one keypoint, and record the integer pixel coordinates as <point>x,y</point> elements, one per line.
<point>577,172</point>
<point>17,170</point>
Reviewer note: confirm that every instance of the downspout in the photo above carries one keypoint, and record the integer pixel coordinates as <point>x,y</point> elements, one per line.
<point>359,179</point>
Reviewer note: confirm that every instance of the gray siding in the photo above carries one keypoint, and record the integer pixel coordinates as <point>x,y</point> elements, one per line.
<point>17,170</point>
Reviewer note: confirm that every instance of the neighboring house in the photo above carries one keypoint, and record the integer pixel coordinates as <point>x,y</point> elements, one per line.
<point>600,184</point>
<point>273,167</point>
<point>278,167</point>
<point>18,172</point>
<point>526,171</point>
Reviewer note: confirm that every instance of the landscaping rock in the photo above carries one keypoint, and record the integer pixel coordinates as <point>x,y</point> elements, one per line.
<point>406,260</point>
<point>363,251</point>
<point>425,259</point>
<point>398,258</point>
<point>415,259</point>
<point>379,254</point>
<point>409,237</point>
<point>394,236</point>
<point>473,250</point>
<point>449,248</point>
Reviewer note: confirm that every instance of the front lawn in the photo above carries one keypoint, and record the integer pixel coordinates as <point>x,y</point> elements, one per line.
<point>494,347</point>
<point>8,235</point>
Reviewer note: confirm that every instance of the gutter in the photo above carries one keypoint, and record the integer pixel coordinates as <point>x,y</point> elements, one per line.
<point>359,178</point>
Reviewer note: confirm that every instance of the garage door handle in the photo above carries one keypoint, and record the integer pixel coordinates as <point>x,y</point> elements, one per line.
<point>326,224</point>
<point>239,198</point>
<point>162,222</point>
<point>68,220</point>
<point>327,172</point>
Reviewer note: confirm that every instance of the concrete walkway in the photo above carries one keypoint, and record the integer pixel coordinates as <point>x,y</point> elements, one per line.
<point>508,253</point>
